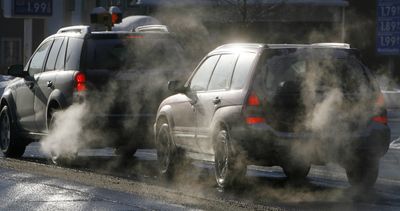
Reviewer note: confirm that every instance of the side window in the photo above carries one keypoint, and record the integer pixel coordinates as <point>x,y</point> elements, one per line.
<point>55,49</point>
<point>73,57</point>
<point>223,72</point>
<point>242,70</point>
<point>38,58</point>
<point>60,63</point>
<point>200,79</point>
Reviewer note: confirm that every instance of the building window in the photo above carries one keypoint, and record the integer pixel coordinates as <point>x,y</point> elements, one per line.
<point>11,51</point>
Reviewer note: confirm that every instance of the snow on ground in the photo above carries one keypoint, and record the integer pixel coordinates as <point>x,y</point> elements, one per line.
<point>4,80</point>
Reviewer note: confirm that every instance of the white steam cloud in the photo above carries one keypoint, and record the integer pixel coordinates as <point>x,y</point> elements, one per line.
<point>64,138</point>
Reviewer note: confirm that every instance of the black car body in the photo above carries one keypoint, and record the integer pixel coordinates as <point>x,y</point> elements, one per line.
<point>276,104</point>
<point>107,70</point>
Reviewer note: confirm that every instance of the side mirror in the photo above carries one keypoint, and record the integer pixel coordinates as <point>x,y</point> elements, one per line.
<point>176,86</point>
<point>16,70</point>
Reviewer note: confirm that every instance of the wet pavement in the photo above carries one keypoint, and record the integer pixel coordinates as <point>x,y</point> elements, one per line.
<point>25,191</point>
<point>100,180</point>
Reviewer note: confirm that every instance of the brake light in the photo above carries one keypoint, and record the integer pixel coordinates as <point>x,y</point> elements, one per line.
<point>80,82</point>
<point>252,112</point>
<point>380,104</point>
<point>380,119</point>
<point>253,100</point>
<point>254,120</point>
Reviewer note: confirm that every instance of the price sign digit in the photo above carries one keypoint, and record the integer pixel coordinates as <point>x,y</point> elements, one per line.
<point>388,27</point>
<point>32,8</point>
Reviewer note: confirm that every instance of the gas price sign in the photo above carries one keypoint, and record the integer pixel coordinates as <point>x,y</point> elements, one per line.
<point>388,27</point>
<point>33,7</point>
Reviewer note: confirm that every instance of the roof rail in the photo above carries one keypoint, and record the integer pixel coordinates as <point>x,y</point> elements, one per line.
<point>333,45</point>
<point>75,29</point>
<point>152,28</point>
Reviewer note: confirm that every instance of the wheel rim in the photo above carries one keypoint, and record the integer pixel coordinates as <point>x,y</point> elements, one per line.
<point>5,132</point>
<point>221,157</point>
<point>164,150</point>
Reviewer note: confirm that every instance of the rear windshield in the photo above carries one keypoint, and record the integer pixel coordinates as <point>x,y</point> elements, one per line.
<point>136,53</point>
<point>318,69</point>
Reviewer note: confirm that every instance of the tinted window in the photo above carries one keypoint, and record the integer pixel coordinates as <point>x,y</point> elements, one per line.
<point>138,54</point>
<point>55,48</point>
<point>242,70</point>
<point>38,58</point>
<point>222,74</point>
<point>200,80</point>
<point>72,60</point>
<point>316,69</point>
<point>61,56</point>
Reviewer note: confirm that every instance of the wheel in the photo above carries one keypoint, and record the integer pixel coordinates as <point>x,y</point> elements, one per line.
<point>167,154</point>
<point>363,174</point>
<point>9,145</point>
<point>229,168</point>
<point>296,170</point>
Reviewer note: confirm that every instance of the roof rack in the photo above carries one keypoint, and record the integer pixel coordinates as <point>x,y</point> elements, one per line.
<point>152,28</point>
<point>75,29</point>
<point>333,45</point>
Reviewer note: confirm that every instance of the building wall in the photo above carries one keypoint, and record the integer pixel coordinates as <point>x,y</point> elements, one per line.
<point>11,40</point>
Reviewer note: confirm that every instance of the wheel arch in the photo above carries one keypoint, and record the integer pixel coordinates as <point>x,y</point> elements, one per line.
<point>225,117</point>
<point>57,97</point>
<point>164,113</point>
<point>8,100</point>
<point>56,101</point>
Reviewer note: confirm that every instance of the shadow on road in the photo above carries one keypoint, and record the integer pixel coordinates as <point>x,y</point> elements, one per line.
<point>261,186</point>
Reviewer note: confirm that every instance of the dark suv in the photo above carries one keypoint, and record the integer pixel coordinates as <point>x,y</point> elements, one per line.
<point>285,105</point>
<point>117,74</point>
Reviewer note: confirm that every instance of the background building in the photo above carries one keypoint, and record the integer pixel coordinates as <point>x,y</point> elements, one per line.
<point>201,25</point>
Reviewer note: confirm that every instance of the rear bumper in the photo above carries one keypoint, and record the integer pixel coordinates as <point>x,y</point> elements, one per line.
<point>263,143</point>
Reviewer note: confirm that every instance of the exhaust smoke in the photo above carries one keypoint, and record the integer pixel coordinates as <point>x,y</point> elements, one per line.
<point>65,136</point>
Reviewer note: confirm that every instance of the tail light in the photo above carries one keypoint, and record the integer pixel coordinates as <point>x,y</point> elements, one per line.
<point>253,112</point>
<point>80,82</point>
<point>380,105</point>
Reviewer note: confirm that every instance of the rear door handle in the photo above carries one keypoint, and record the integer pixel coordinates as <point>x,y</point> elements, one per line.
<point>216,100</point>
<point>49,84</point>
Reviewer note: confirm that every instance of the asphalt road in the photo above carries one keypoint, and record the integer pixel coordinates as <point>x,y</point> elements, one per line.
<point>100,180</point>
<point>26,191</point>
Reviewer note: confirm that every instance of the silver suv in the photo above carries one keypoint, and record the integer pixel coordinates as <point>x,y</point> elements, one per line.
<point>276,105</point>
<point>108,70</point>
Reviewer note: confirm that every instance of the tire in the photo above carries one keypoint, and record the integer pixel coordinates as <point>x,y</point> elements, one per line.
<point>364,174</point>
<point>167,154</point>
<point>296,170</point>
<point>229,169</point>
<point>8,140</point>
